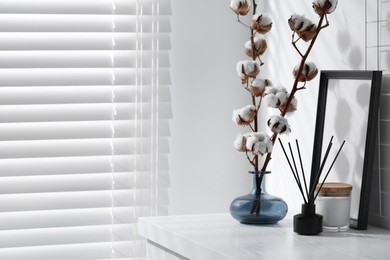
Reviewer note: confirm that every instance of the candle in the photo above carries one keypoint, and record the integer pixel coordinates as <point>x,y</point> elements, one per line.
<point>334,204</point>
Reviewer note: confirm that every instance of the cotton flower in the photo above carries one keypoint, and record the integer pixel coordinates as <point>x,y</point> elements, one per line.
<point>258,85</point>
<point>279,124</point>
<point>240,7</point>
<point>261,23</point>
<point>309,72</point>
<point>240,143</point>
<point>247,69</point>
<point>258,143</point>
<point>305,28</point>
<point>260,47</point>
<point>275,96</point>
<point>324,6</point>
<point>245,115</point>
<point>292,106</point>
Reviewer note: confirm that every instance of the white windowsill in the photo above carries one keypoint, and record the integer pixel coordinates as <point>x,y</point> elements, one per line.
<point>220,237</point>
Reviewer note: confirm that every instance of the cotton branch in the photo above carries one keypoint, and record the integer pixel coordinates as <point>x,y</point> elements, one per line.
<point>295,87</point>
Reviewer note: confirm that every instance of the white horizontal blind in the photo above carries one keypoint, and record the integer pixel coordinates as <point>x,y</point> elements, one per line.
<point>84,126</point>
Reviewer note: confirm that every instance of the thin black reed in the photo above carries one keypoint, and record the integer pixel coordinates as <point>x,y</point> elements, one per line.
<point>330,168</point>
<point>303,172</point>
<point>311,193</point>
<point>312,188</point>
<point>295,165</point>
<point>292,170</point>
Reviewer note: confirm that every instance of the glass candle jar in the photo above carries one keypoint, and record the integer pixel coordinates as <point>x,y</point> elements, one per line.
<point>334,204</point>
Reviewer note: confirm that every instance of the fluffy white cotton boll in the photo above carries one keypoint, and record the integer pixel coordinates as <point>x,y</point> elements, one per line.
<point>240,7</point>
<point>259,148</point>
<point>333,7</point>
<point>235,4</point>
<point>275,96</point>
<point>308,73</point>
<point>306,23</point>
<point>292,107</point>
<point>263,19</point>
<point>241,69</point>
<point>297,22</point>
<point>248,113</point>
<point>258,86</point>
<point>271,90</point>
<point>259,143</point>
<point>282,96</point>
<point>279,124</point>
<point>324,6</point>
<point>260,47</point>
<point>261,23</point>
<point>245,115</point>
<point>305,28</point>
<point>271,101</point>
<point>312,66</point>
<point>250,66</point>
<point>261,83</point>
<point>247,68</point>
<point>250,142</point>
<point>258,135</point>
<point>240,143</point>
<point>235,116</point>
<point>248,45</point>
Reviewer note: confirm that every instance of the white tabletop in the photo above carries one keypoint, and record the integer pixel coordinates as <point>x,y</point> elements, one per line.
<point>219,236</point>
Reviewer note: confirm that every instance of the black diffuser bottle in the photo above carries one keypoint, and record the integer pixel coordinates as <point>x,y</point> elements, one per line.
<point>308,222</point>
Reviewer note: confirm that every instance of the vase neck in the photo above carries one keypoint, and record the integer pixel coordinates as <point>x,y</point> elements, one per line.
<point>262,182</point>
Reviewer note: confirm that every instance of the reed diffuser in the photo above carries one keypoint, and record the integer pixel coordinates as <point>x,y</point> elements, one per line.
<point>308,222</point>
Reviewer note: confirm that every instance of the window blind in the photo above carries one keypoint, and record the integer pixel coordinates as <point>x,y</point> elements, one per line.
<point>84,126</point>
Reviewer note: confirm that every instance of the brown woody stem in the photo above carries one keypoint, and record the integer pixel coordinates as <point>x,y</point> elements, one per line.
<point>295,87</point>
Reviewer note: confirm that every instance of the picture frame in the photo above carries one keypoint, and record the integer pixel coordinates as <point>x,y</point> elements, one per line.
<point>348,105</point>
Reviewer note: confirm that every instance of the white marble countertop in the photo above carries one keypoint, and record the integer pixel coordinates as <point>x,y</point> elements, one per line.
<point>220,237</point>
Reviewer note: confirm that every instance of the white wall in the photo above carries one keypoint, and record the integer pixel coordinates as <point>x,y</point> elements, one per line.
<point>206,171</point>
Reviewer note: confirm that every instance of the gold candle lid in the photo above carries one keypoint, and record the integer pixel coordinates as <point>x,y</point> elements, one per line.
<point>334,189</point>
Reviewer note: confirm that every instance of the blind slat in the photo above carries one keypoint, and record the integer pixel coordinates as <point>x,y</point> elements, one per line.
<point>70,217</point>
<point>79,147</point>
<point>80,23</point>
<point>80,129</point>
<point>86,164</point>
<point>69,235</point>
<point>79,94</point>
<point>79,41</point>
<point>80,59</point>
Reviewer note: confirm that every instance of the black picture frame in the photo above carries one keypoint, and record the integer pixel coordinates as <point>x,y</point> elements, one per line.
<point>372,125</point>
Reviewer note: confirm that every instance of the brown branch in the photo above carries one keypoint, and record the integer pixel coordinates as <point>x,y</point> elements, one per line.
<point>249,159</point>
<point>303,86</point>
<point>261,62</point>
<point>295,85</point>
<point>239,21</point>
<point>258,105</point>
<point>251,127</point>
<point>295,45</point>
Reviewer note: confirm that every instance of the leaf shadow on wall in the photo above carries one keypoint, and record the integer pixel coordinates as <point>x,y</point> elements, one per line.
<point>343,123</point>
<point>347,48</point>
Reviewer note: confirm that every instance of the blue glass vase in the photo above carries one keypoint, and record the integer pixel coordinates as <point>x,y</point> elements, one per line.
<point>258,207</point>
